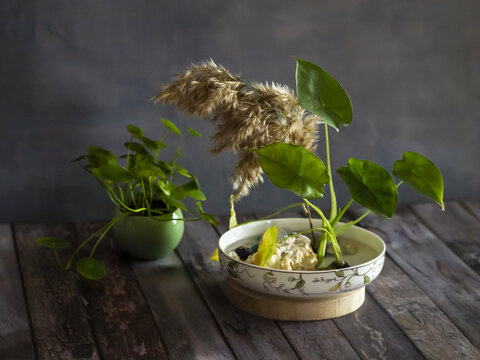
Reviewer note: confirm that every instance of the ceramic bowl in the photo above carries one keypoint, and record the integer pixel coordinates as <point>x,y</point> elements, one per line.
<point>366,256</point>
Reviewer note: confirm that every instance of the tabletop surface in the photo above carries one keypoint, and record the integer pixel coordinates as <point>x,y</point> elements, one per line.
<point>425,303</point>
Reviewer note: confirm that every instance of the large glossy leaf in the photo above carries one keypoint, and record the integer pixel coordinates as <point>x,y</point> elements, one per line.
<point>191,189</point>
<point>171,126</point>
<point>114,173</point>
<point>267,246</point>
<point>91,269</point>
<point>294,168</point>
<point>371,186</point>
<point>99,156</point>
<point>422,174</point>
<point>53,242</point>
<point>321,94</point>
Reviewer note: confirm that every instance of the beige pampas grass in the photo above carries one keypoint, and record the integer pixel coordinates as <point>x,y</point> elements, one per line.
<point>246,115</point>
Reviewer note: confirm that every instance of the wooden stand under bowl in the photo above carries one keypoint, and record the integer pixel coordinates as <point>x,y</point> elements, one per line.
<point>294,308</point>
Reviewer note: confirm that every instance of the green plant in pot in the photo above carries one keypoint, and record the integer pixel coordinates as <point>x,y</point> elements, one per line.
<point>275,133</point>
<point>148,222</point>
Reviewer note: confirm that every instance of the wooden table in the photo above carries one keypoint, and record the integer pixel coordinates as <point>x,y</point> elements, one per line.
<point>425,304</point>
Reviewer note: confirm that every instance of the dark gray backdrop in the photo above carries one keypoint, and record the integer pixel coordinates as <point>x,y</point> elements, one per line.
<point>74,73</point>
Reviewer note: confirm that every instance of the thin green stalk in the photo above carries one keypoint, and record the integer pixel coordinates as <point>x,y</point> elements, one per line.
<point>85,242</point>
<point>109,226</point>
<point>336,248</point>
<point>314,240</point>
<point>57,259</point>
<point>273,214</point>
<point>341,213</point>
<point>119,203</point>
<point>145,200</point>
<point>351,223</point>
<point>333,210</point>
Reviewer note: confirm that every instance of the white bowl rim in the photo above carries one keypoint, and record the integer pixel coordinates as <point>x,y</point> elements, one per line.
<point>382,254</point>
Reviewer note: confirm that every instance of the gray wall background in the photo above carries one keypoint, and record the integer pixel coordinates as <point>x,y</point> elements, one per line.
<point>74,73</point>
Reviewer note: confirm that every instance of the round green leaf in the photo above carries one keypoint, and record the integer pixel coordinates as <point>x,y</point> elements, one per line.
<point>134,130</point>
<point>267,246</point>
<point>192,189</point>
<point>135,147</point>
<point>91,269</point>
<point>114,173</point>
<point>171,126</point>
<point>294,168</point>
<point>319,93</point>
<point>371,186</point>
<point>194,133</point>
<point>149,143</point>
<point>421,174</point>
<point>53,242</point>
<point>99,156</point>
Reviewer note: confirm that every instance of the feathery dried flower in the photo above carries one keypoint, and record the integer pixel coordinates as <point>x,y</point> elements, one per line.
<point>247,115</point>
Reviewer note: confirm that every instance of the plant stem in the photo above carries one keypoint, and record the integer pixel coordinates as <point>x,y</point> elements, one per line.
<point>341,213</point>
<point>336,248</point>
<point>314,240</point>
<point>333,210</point>
<point>273,214</point>
<point>351,223</point>
<point>109,226</point>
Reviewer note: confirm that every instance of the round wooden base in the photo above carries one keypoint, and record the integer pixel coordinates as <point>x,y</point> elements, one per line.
<point>289,308</point>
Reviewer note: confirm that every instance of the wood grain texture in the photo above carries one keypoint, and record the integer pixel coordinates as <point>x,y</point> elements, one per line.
<point>185,323</point>
<point>249,336</point>
<point>456,227</point>
<point>452,285</point>
<point>15,334</point>
<point>473,206</point>
<point>121,320</point>
<point>59,320</point>
<point>418,316</point>
<point>374,335</point>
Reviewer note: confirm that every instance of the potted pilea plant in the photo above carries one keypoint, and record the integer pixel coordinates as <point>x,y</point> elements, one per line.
<point>272,269</point>
<point>148,223</point>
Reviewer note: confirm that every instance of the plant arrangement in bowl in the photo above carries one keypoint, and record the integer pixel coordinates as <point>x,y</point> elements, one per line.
<point>273,268</point>
<point>148,222</point>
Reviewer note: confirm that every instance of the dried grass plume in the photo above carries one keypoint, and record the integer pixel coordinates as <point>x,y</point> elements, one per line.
<point>247,115</point>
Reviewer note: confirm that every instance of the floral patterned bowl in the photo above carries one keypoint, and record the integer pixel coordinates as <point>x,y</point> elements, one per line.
<point>363,250</point>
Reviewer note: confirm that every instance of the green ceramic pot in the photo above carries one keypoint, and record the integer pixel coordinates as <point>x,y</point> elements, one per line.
<point>146,238</point>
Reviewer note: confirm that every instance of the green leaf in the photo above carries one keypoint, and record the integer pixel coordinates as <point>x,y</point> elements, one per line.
<point>91,269</point>
<point>171,202</point>
<point>319,93</point>
<point>294,168</point>
<point>371,186</point>
<point>421,174</point>
<point>53,242</point>
<point>194,133</point>
<point>267,246</point>
<point>160,145</point>
<point>114,173</point>
<point>182,171</point>
<point>135,147</point>
<point>192,189</point>
<point>211,219</point>
<point>99,156</point>
<point>149,143</point>
<point>171,126</point>
<point>134,130</point>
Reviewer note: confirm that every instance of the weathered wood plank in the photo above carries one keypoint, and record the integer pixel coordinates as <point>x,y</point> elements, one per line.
<point>449,282</point>
<point>15,335</point>
<point>121,320</point>
<point>318,340</point>
<point>59,320</point>
<point>249,336</point>
<point>456,227</point>
<point>185,323</point>
<point>424,323</point>
<point>374,335</point>
<point>473,206</point>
